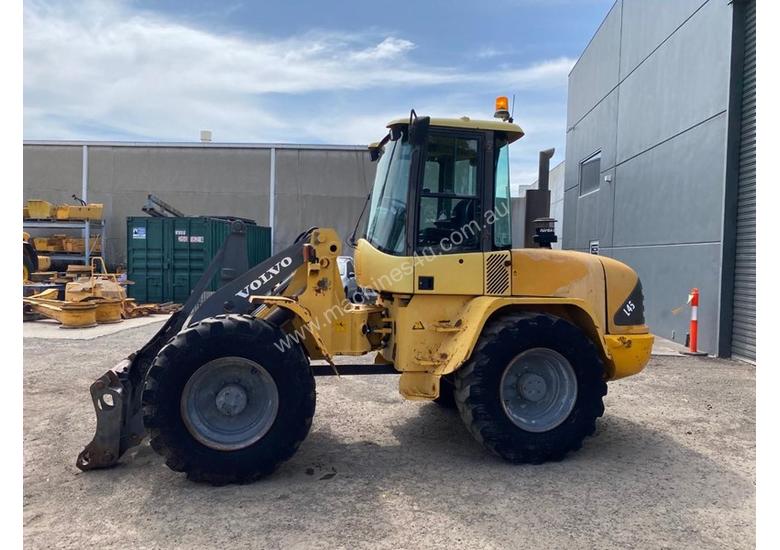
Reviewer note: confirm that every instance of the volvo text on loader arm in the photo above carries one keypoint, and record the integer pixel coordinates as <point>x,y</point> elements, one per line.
<point>521,341</point>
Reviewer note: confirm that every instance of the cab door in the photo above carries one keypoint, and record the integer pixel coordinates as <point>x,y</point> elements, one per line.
<point>449,218</point>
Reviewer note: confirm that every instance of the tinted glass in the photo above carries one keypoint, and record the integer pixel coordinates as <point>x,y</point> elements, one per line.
<point>451,166</point>
<point>502,205</point>
<point>449,222</point>
<point>387,216</point>
<point>449,203</point>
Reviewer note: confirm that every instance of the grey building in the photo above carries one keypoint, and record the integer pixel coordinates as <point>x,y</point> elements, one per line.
<point>660,161</point>
<point>286,186</point>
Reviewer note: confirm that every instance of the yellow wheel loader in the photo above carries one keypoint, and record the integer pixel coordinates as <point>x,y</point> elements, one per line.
<point>521,341</point>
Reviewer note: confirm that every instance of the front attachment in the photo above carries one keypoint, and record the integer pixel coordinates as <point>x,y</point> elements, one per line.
<point>117,429</point>
<point>116,397</point>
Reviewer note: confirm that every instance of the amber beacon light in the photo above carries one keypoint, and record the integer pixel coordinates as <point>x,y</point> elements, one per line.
<point>502,108</point>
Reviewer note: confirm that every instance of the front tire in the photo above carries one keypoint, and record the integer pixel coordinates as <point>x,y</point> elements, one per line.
<point>224,405</point>
<point>532,390</point>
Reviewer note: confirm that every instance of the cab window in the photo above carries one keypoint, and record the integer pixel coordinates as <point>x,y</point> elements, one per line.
<point>502,202</point>
<point>449,204</point>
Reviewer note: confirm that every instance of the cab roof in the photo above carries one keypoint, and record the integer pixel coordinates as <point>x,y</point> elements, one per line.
<point>513,131</point>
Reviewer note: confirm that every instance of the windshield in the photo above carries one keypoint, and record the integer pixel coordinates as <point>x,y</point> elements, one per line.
<point>387,216</point>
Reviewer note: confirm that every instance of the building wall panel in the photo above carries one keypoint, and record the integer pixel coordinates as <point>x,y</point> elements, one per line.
<point>682,84</point>
<point>673,193</point>
<point>646,24</point>
<point>56,178</point>
<point>319,188</point>
<point>596,72</point>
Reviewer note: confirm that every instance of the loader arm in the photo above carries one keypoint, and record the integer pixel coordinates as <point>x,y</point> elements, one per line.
<point>116,395</point>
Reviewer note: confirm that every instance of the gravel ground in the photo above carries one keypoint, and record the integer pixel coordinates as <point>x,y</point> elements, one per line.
<point>672,465</point>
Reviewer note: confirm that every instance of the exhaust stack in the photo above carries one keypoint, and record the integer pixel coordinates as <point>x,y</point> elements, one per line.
<point>544,172</point>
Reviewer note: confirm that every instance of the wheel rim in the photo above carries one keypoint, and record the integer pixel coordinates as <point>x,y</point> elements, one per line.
<point>229,403</point>
<point>538,390</point>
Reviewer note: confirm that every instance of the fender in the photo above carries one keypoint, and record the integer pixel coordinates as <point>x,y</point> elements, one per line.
<point>478,311</point>
<point>623,355</point>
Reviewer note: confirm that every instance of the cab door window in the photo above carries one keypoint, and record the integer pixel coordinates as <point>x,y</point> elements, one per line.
<point>449,204</point>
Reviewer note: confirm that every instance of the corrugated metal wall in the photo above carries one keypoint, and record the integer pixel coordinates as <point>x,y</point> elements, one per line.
<point>167,256</point>
<point>743,339</point>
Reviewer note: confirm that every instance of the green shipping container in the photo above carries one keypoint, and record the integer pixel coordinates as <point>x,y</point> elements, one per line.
<point>167,256</point>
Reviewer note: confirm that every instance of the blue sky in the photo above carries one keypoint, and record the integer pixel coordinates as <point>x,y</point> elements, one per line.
<point>298,71</point>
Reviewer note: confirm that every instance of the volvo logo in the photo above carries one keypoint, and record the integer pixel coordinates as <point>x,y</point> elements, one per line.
<point>265,277</point>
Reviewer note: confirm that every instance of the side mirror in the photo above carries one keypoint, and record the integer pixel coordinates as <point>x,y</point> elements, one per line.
<point>418,129</point>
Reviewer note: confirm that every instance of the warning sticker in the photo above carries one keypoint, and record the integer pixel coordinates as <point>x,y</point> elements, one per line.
<point>139,233</point>
<point>418,326</point>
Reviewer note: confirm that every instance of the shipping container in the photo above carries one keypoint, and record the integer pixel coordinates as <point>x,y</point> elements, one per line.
<point>167,256</point>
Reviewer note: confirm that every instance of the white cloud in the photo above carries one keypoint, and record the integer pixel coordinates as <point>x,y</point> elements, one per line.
<point>544,73</point>
<point>388,48</point>
<point>96,68</point>
<point>489,52</point>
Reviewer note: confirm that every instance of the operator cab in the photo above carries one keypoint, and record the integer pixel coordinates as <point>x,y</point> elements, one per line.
<point>442,186</point>
<point>441,194</point>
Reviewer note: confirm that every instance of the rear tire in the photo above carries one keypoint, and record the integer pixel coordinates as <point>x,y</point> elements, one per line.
<point>504,425</point>
<point>198,434</point>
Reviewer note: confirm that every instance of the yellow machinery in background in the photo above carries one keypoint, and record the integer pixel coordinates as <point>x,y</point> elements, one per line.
<point>521,341</point>
<point>42,211</point>
<point>94,298</point>
<point>68,314</point>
